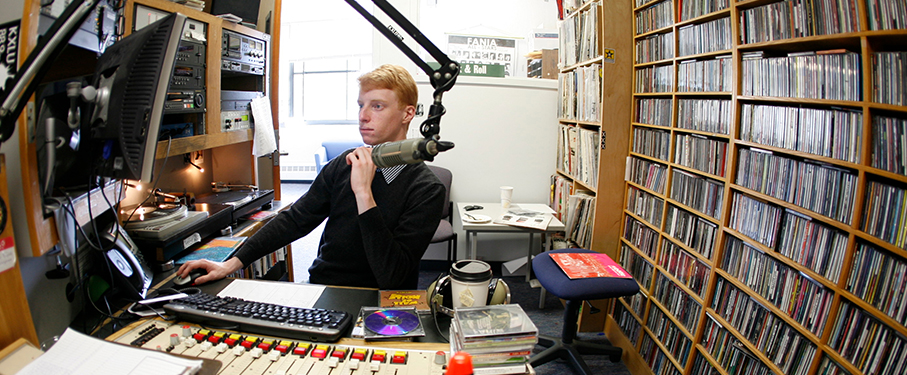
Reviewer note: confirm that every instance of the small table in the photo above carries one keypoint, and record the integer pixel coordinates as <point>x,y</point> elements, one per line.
<point>494,210</point>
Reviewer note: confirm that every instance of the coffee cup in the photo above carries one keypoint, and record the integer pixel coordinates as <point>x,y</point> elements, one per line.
<point>506,196</point>
<point>469,283</point>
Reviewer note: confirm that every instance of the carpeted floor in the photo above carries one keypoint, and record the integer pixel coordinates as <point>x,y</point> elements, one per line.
<point>549,320</point>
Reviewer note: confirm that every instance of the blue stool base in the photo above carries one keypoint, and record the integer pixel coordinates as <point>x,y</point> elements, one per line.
<point>571,353</point>
<point>575,292</point>
<point>568,348</point>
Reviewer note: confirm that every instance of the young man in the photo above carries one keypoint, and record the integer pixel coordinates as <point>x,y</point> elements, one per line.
<point>379,223</point>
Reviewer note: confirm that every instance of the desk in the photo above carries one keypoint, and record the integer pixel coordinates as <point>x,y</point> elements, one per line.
<point>349,299</point>
<point>494,210</point>
<point>419,357</point>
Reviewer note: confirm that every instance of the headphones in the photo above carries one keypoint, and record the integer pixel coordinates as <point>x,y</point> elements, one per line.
<point>441,301</point>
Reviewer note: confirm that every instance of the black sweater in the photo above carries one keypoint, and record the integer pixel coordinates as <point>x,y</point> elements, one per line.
<point>381,248</point>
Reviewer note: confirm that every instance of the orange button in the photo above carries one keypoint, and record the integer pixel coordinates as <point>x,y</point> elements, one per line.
<point>320,351</point>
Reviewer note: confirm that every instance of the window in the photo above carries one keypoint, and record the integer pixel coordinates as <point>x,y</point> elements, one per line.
<point>325,91</point>
<point>324,47</point>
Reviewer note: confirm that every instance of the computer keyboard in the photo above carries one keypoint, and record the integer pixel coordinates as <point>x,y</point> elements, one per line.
<point>261,318</point>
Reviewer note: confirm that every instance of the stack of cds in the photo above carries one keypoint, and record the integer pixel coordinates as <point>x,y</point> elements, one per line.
<point>499,338</point>
<point>194,4</point>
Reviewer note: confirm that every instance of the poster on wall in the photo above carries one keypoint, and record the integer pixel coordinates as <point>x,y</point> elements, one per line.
<point>483,50</point>
<point>9,54</point>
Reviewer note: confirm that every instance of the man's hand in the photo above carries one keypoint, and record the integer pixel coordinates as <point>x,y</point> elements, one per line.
<point>361,177</point>
<point>216,270</point>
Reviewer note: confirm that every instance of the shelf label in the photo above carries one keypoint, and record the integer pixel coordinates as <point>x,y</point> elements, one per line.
<point>7,253</point>
<point>609,55</point>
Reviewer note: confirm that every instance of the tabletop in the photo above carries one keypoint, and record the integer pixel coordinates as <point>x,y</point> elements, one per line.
<point>494,211</point>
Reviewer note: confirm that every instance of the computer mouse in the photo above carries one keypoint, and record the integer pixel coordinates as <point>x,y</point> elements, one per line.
<point>190,280</point>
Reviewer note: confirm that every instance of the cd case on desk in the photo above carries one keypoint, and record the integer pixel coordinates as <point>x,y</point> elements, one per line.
<point>377,323</point>
<point>497,322</point>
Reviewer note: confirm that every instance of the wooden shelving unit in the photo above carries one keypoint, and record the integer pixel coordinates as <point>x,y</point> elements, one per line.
<point>42,230</point>
<point>736,303</point>
<point>612,53</point>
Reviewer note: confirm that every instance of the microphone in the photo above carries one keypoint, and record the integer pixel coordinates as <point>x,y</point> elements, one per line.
<point>408,151</point>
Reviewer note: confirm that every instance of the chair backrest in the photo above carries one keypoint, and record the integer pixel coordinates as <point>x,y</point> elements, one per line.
<point>334,148</point>
<point>446,178</point>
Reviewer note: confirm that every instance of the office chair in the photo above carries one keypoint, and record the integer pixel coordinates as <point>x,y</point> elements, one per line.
<point>330,150</point>
<point>575,291</point>
<point>445,230</point>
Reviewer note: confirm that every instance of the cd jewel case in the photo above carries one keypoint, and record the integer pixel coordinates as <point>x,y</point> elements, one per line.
<point>375,323</point>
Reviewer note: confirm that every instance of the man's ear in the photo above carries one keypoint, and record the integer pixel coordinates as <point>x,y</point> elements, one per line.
<point>410,113</point>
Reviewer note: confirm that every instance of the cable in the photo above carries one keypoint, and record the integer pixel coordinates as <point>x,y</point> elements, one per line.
<point>438,327</point>
<point>156,180</point>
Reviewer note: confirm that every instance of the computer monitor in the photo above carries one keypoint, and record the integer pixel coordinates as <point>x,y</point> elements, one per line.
<point>131,78</point>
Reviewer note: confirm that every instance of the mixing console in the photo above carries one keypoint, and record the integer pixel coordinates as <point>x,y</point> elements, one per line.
<point>242,354</point>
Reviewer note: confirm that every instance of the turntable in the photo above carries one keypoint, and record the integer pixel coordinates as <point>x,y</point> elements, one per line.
<point>159,223</point>
<point>170,229</point>
<point>244,202</point>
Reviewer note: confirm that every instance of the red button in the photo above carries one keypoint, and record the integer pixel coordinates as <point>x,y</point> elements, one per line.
<point>398,359</point>
<point>378,357</point>
<point>199,337</point>
<point>264,346</point>
<point>247,344</point>
<point>319,353</point>
<point>230,342</point>
<point>282,348</point>
<point>339,354</point>
<point>300,350</point>
<point>358,355</point>
<point>214,339</point>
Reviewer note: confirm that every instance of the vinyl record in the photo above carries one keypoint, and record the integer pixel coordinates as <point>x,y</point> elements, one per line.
<point>154,216</point>
<point>391,322</point>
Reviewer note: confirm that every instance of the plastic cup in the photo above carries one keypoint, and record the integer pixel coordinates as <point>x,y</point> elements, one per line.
<point>506,196</point>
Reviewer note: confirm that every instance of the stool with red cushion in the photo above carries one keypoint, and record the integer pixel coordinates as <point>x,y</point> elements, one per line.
<point>575,291</point>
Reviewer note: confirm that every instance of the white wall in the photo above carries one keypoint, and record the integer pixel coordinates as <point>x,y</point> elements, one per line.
<point>504,128</point>
<point>505,134</point>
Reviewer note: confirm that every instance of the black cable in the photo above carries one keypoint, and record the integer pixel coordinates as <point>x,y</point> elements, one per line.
<point>116,234</point>
<point>438,327</point>
<point>156,180</point>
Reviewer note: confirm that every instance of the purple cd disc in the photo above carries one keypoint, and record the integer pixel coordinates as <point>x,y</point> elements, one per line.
<point>391,322</point>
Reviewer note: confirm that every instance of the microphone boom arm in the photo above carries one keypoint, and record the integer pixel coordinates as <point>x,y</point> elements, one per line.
<point>441,79</point>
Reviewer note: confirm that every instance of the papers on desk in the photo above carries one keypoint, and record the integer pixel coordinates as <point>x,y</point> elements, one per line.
<point>78,354</point>
<point>525,218</point>
<point>278,293</point>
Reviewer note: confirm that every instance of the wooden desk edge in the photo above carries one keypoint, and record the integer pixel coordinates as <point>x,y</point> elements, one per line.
<point>17,355</point>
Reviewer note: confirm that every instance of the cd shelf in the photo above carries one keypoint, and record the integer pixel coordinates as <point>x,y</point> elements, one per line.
<point>593,77</point>
<point>809,210</point>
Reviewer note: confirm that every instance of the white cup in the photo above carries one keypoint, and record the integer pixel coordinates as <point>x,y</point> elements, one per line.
<point>506,196</point>
<point>469,283</point>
